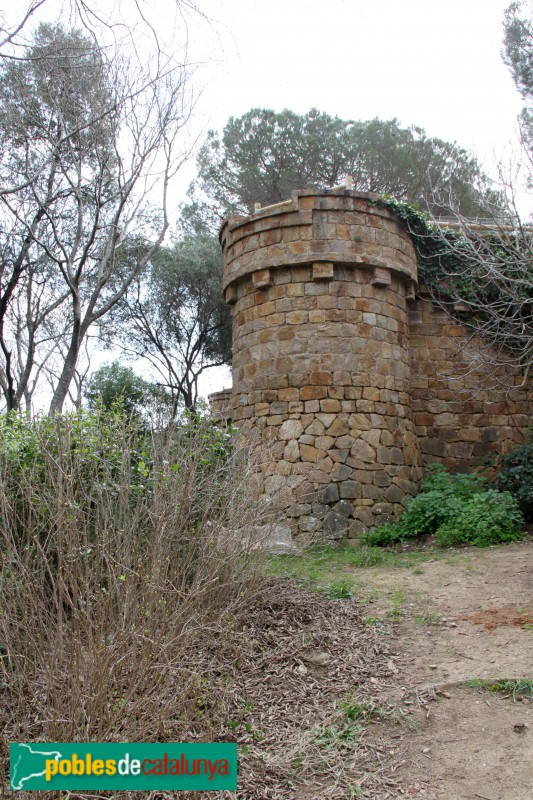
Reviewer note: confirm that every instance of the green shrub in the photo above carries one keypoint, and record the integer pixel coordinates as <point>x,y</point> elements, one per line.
<point>428,511</point>
<point>457,485</point>
<point>458,508</point>
<point>515,475</point>
<point>487,518</point>
<point>384,536</point>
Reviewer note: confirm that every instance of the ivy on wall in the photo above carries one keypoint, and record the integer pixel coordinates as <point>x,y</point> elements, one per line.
<point>448,262</point>
<point>483,278</point>
<point>436,248</point>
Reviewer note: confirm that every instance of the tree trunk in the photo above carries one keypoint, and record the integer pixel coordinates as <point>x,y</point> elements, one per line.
<point>69,365</point>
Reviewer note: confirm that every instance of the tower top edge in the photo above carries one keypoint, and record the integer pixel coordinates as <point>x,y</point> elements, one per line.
<point>292,204</point>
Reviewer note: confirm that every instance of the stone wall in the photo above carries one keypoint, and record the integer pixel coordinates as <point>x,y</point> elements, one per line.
<point>464,407</point>
<point>220,404</point>
<point>339,384</point>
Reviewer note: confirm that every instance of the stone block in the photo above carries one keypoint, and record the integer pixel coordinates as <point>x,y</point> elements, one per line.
<point>355,528</point>
<point>371,437</point>
<point>380,277</point>
<point>482,449</point>
<point>344,508</point>
<point>380,509</point>
<point>262,278</point>
<point>279,407</point>
<point>461,450</point>
<point>289,394</point>
<point>489,435</point>
<point>296,317</point>
<point>383,455</point>
<point>371,492</point>
<point>335,525</point>
<point>362,451</point>
<point>283,467</point>
<point>338,455</point>
<point>330,405</point>
<point>365,516</point>
<point>316,428</point>
<point>344,441</point>
<point>309,453</point>
<point>298,510</point>
<point>230,295</point>
<point>313,392</point>
<point>350,490</point>
<point>309,524</point>
<point>337,428</point>
<point>324,270</point>
<point>328,495</point>
<point>278,382</point>
<point>360,422</point>
<point>291,429</point>
<point>326,419</point>
<point>394,494</point>
<point>433,447</point>
<point>397,456</point>
<point>320,378</point>
<point>340,472</point>
<point>320,510</point>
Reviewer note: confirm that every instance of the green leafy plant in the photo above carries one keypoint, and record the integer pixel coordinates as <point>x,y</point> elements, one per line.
<point>384,536</point>
<point>340,590</point>
<point>521,688</point>
<point>515,475</point>
<point>398,599</point>
<point>349,724</point>
<point>458,509</point>
<point>487,518</point>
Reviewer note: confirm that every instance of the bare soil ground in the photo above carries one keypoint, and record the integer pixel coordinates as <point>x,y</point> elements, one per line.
<point>369,697</point>
<point>466,618</point>
<point>337,699</point>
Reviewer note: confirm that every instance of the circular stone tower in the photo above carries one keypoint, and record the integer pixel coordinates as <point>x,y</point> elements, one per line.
<point>319,287</point>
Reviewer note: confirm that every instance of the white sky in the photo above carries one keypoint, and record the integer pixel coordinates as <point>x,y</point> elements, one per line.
<point>433,64</point>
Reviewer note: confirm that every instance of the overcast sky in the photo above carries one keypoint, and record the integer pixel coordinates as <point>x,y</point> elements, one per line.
<point>432,64</point>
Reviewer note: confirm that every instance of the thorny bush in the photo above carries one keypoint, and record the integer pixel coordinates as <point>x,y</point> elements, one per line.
<point>121,551</point>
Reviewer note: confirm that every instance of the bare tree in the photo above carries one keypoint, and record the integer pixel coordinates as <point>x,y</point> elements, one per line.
<point>490,290</point>
<point>175,317</point>
<point>88,145</point>
<point>484,269</point>
<point>9,33</point>
<point>32,328</point>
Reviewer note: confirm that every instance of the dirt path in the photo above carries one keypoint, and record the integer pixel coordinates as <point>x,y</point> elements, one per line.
<point>466,618</point>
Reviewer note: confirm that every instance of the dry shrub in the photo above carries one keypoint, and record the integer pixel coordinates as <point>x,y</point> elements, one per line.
<point>116,561</point>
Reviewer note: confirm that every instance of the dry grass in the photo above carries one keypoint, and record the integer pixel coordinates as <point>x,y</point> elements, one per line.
<point>115,563</point>
<point>131,612</point>
<point>304,692</point>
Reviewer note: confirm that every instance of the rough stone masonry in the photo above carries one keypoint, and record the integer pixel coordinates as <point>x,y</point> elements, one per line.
<point>346,379</point>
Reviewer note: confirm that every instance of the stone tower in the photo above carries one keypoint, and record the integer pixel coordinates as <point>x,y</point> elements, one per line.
<point>319,287</point>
